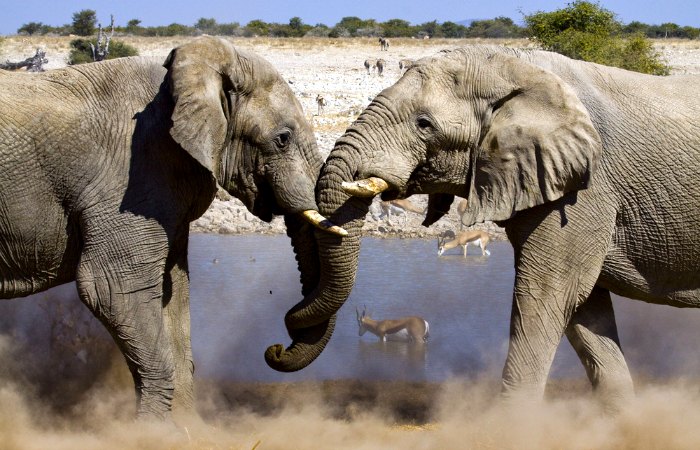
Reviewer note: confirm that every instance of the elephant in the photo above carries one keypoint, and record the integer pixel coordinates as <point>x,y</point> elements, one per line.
<point>104,166</point>
<point>593,171</point>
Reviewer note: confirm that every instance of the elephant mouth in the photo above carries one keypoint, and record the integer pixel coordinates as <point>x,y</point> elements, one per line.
<point>265,205</point>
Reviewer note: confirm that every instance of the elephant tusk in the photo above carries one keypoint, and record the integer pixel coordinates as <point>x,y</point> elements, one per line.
<point>369,187</point>
<point>316,219</point>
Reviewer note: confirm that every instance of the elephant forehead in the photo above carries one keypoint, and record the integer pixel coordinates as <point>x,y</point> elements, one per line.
<point>272,105</point>
<point>420,92</point>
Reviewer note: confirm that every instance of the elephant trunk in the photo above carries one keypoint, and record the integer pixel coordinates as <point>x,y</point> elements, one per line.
<point>310,323</point>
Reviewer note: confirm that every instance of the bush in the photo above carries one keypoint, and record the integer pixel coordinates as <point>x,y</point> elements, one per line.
<point>82,53</point>
<point>588,32</point>
<point>32,28</point>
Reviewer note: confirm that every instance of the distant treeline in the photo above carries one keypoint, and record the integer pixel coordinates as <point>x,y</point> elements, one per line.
<point>500,27</point>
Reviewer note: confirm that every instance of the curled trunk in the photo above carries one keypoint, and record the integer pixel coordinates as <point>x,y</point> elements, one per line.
<point>310,323</point>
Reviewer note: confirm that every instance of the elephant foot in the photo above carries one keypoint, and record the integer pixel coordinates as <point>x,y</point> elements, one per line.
<point>615,394</point>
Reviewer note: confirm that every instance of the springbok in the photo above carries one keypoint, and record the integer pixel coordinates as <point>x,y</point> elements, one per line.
<point>399,207</point>
<point>321,103</point>
<point>463,239</point>
<point>411,328</point>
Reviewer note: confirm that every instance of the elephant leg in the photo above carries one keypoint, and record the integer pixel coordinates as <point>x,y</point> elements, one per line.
<point>535,332</point>
<point>559,253</point>
<point>544,300</point>
<point>593,334</point>
<point>120,279</point>
<point>176,319</point>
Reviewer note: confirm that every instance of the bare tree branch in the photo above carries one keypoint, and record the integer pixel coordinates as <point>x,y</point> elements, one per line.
<point>100,53</point>
<point>33,63</point>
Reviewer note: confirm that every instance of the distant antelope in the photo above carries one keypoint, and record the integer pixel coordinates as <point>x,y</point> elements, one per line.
<point>384,44</point>
<point>406,63</point>
<point>380,67</point>
<point>320,102</point>
<point>411,328</point>
<point>370,65</point>
<point>399,207</point>
<point>463,239</point>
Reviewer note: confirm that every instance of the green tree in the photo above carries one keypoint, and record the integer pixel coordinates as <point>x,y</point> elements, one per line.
<point>229,29</point>
<point>636,27</point>
<point>31,28</point>
<point>351,24</point>
<point>207,26</point>
<point>431,29</point>
<point>579,16</point>
<point>257,28</point>
<point>397,28</point>
<point>586,31</point>
<point>500,27</point>
<point>134,27</point>
<point>320,30</point>
<point>84,22</point>
<point>297,28</point>
<point>691,32</point>
<point>453,30</point>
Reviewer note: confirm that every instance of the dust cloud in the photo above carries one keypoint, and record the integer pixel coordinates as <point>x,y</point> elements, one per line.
<point>78,394</point>
<point>339,414</point>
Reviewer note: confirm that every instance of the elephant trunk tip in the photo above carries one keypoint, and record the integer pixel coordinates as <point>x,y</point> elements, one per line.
<point>280,360</point>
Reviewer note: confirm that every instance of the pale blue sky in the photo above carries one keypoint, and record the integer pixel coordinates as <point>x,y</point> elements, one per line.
<point>15,13</point>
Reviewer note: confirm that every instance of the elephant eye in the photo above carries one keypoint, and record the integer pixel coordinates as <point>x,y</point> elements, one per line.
<point>282,139</point>
<point>424,123</point>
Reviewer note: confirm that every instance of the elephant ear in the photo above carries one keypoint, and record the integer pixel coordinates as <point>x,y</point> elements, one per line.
<point>198,72</point>
<point>540,144</point>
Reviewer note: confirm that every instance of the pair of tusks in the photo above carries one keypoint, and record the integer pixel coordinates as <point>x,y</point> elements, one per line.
<point>369,187</point>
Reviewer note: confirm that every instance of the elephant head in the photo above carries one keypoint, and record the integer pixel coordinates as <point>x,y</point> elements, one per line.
<point>238,118</point>
<point>481,123</point>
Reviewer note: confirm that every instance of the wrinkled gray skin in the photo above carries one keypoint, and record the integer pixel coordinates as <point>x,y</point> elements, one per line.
<point>105,165</point>
<point>593,171</point>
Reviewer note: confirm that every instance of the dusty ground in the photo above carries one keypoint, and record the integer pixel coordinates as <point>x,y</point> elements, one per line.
<point>333,68</point>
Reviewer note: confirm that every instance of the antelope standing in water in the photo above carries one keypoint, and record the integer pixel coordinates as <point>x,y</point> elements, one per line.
<point>463,239</point>
<point>411,329</point>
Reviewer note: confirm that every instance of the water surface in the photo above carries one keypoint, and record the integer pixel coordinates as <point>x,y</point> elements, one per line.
<point>241,287</point>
